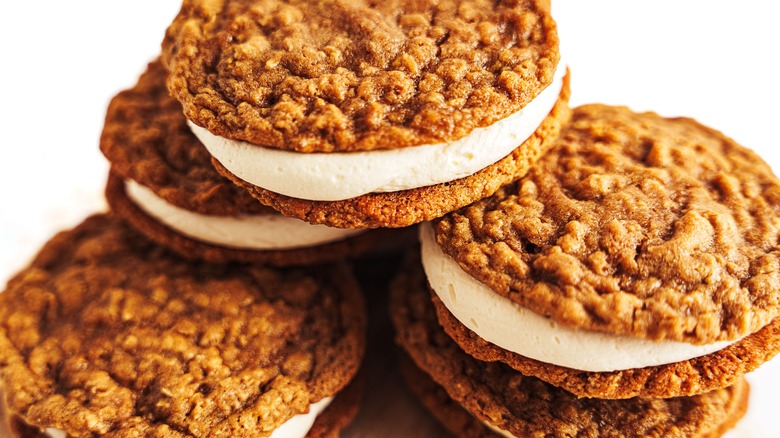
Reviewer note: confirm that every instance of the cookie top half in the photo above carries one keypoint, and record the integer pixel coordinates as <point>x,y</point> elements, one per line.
<point>350,75</point>
<point>147,140</point>
<point>632,224</point>
<point>106,333</point>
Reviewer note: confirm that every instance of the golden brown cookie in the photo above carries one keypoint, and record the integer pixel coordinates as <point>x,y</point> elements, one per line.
<point>633,225</point>
<point>107,333</point>
<point>148,142</point>
<point>408,207</point>
<point>525,406</point>
<point>348,75</point>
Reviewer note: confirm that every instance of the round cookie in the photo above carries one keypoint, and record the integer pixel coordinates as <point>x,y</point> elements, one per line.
<point>148,142</point>
<point>107,333</point>
<point>369,115</point>
<point>493,393</point>
<point>340,76</point>
<point>634,225</point>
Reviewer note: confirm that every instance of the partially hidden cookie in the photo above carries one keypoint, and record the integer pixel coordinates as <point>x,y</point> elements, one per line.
<point>328,424</point>
<point>163,184</point>
<point>472,398</point>
<point>637,258</point>
<point>109,334</point>
<point>368,115</point>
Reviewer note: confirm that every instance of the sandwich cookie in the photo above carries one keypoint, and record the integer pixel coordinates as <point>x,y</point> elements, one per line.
<point>472,398</point>
<point>366,115</point>
<point>163,184</point>
<point>638,258</point>
<point>107,333</point>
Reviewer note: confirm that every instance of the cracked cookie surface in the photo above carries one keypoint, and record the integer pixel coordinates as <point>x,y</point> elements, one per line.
<point>349,75</point>
<point>106,333</point>
<point>632,224</point>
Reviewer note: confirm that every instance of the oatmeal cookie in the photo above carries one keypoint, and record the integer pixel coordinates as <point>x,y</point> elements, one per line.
<point>107,333</point>
<point>634,225</point>
<point>349,75</point>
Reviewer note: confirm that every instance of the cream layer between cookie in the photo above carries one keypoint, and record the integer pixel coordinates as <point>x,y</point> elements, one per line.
<point>498,430</point>
<point>344,175</point>
<point>296,427</point>
<point>512,327</point>
<point>254,232</point>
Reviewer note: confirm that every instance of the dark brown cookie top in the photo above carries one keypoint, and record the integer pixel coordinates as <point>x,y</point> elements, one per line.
<point>107,333</point>
<point>408,207</point>
<point>147,140</point>
<point>526,406</point>
<point>349,75</point>
<point>633,224</point>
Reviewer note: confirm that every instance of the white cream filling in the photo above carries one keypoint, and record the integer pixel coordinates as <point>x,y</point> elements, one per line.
<point>338,176</point>
<point>498,430</point>
<point>299,425</point>
<point>55,433</point>
<point>512,327</point>
<point>296,427</point>
<point>258,232</point>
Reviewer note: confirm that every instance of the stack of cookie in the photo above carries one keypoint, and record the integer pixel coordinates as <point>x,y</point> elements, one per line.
<point>623,287</point>
<point>171,315</point>
<point>635,261</point>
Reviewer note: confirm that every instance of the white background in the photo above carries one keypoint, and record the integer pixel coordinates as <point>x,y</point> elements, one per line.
<point>716,61</point>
